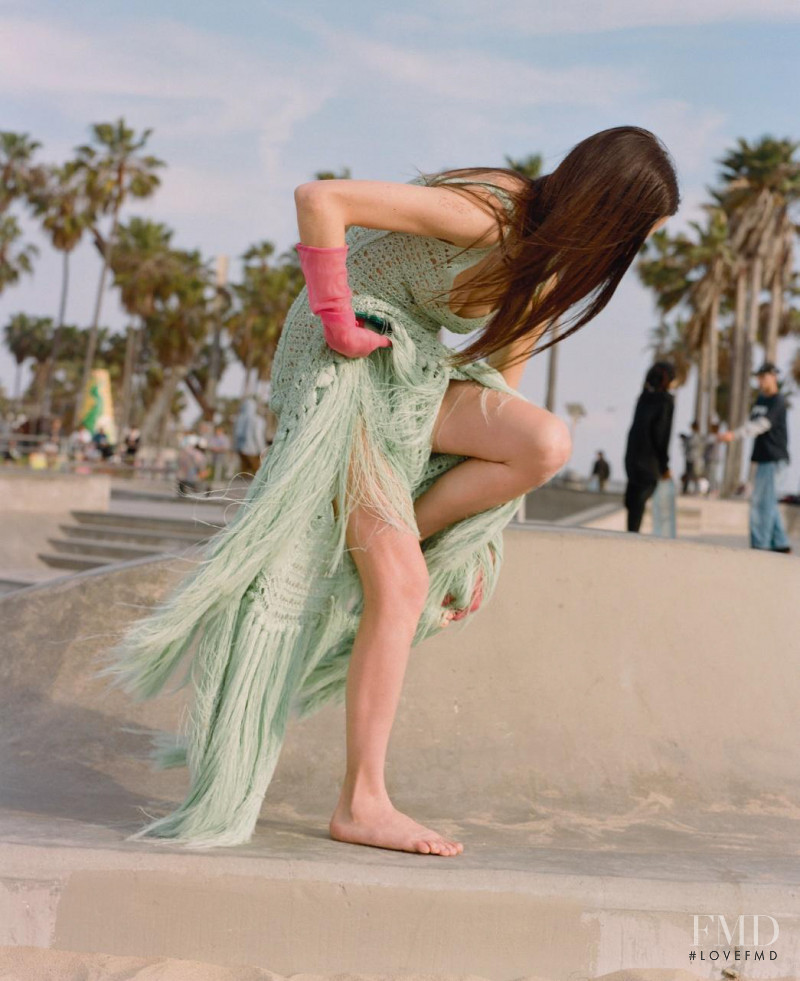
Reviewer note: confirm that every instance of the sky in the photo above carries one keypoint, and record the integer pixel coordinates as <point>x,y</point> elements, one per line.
<point>248,99</point>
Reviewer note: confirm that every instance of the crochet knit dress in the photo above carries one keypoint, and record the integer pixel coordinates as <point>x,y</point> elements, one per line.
<point>269,615</point>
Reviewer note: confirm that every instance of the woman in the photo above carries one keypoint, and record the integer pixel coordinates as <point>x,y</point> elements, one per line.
<point>647,451</point>
<point>377,517</point>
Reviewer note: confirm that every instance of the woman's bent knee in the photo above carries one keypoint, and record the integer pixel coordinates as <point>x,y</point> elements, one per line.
<point>547,449</point>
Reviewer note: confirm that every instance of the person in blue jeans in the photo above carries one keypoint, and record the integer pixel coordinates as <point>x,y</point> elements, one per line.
<point>767,423</point>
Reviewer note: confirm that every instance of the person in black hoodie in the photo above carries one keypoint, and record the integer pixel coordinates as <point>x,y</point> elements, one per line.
<point>647,450</point>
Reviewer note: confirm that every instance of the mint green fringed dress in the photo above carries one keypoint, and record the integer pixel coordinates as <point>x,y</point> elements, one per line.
<point>269,615</point>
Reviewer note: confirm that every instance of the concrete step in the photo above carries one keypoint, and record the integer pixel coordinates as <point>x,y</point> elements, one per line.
<point>173,497</point>
<point>120,551</point>
<point>107,533</point>
<point>145,522</point>
<point>75,563</point>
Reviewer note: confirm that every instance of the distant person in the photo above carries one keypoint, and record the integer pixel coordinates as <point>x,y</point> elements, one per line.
<point>79,443</point>
<point>219,446</point>
<point>767,423</point>
<point>51,447</point>
<point>647,450</point>
<point>711,459</point>
<point>191,465</point>
<point>131,445</point>
<point>601,470</point>
<point>103,444</point>
<point>693,457</point>
<point>249,435</point>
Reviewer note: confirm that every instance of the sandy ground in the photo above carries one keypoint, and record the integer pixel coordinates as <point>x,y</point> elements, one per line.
<point>35,964</point>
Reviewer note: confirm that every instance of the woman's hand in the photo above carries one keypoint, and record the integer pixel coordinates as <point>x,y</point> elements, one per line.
<point>329,296</point>
<point>350,338</point>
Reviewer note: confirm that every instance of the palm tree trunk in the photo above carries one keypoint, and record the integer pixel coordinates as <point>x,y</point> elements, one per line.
<point>775,315</point>
<point>155,421</point>
<point>39,382</point>
<point>756,278</point>
<point>18,385</point>
<point>52,361</point>
<point>124,419</point>
<point>701,389</point>
<point>152,417</point>
<point>177,375</point>
<point>733,457</point>
<point>91,346</point>
<point>713,360</point>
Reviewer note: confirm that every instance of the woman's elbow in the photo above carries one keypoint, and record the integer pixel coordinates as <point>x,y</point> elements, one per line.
<point>307,196</point>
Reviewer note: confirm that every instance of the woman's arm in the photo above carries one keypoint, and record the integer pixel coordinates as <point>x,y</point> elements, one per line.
<point>513,373</point>
<point>325,209</point>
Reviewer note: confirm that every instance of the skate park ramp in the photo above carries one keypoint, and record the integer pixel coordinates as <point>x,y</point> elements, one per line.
<point>612,737</point>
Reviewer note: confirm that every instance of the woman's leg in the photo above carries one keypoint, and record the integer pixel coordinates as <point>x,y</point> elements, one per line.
<point>394,578</point>
<point>520,448</point>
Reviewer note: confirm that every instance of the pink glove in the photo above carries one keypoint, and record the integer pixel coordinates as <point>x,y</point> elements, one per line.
<point>329,296</point>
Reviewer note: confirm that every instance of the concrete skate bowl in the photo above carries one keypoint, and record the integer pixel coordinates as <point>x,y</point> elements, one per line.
<point>613,738</point>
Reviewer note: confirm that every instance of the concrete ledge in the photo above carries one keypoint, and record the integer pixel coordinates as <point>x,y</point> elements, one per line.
<point>696,516</point>
<point>608,737</point>
<point>40,491</point>
<point>33,964</point>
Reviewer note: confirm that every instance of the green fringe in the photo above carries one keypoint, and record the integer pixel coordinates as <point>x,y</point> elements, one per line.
<point>256,655</point>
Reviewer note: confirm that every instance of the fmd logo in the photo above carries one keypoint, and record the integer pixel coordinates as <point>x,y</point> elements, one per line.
<point>725,939</point>
<point>746,930</point>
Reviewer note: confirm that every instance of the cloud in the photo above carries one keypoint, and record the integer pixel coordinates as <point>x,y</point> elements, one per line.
<point>693,134</point>
<point>465,75</point>
<point>186,81</point>
<point>542,17</point>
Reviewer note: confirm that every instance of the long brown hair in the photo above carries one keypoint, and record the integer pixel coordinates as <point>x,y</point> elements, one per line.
<point>584,224</point>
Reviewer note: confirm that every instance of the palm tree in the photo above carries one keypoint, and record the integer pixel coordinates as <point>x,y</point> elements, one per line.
<point>144,268</point>
<point>331,175</point>
<point>65,214</point>
<point>263,300</point>
<point>711,261</point>
<point>15,259</point>
<point>25,338</point>
<point>216,356</point>
<point>176,331</point>
<point>113,171</point>
<point>19,176</point>
<point>666,267</point>
<point>759,183</point>
<point>530,166</point>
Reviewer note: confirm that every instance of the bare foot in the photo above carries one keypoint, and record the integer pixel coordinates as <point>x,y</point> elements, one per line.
<point>383,826</point>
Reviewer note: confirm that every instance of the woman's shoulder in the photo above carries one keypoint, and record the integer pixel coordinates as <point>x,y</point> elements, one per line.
<point>507,180</point>
<point>488,184</point>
